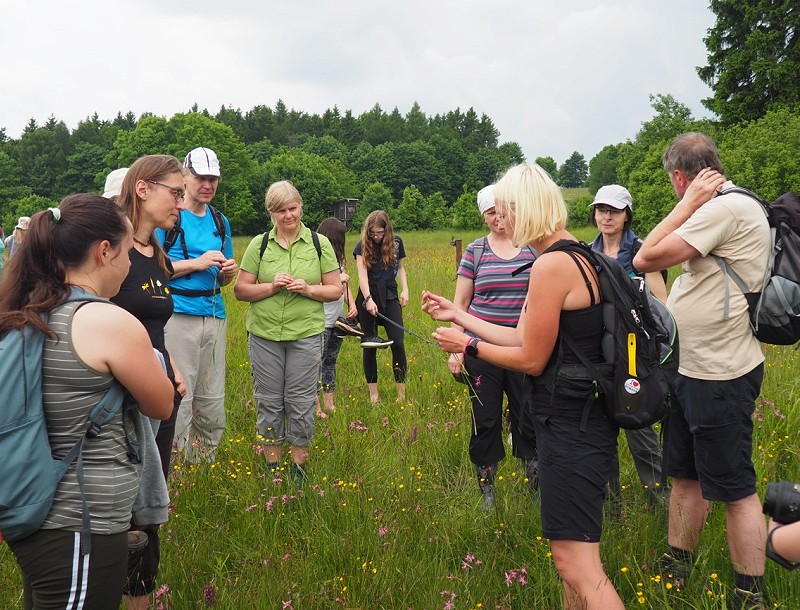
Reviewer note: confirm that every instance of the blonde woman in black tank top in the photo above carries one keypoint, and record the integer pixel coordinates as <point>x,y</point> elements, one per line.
<point>573,462</point>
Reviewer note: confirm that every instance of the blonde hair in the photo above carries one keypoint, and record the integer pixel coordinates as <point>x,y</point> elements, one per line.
<point>535,203</point>
<point>279,194</point>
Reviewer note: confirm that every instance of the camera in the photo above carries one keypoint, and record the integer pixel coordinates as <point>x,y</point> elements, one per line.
<point>782,502</point>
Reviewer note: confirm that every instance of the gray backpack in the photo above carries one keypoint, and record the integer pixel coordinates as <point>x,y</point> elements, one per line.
<point>775,310</point>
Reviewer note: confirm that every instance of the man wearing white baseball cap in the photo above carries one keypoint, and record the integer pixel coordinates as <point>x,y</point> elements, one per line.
<point>201,251</point>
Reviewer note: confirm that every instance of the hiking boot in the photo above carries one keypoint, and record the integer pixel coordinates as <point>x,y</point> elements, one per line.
<point>486,485</point>
<point>673,570</point>
<point>742,599</point>
<point>348,328</point>
<point>298,474</point>
<point>375,341</point>
<point>532,472</point>
<point>137,541</point>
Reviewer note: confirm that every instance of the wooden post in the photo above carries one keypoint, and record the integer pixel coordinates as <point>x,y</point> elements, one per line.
<point>457,244</point>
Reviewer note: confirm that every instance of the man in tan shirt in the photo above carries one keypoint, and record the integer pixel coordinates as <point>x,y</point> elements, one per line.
<point>710,437</point>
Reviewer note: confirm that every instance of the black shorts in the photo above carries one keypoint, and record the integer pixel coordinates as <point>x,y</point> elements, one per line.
<point>710,434</point>
<point>574,467</point>
<point>56,575</point>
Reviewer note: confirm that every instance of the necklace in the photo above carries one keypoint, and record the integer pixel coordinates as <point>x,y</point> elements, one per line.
<point>144,244</point>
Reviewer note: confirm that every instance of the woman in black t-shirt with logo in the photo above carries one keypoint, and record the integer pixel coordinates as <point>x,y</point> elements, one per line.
<point>151,195</point>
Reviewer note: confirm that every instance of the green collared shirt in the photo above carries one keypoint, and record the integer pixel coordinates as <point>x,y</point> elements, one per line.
<point>287,316</point>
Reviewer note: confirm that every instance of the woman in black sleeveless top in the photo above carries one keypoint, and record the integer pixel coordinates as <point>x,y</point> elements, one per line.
<point>576,442</point>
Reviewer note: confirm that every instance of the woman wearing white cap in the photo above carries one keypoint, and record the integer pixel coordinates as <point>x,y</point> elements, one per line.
<point>612,214</point>
<point>486,288</point>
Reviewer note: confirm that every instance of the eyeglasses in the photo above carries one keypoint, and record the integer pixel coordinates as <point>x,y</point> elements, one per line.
<point>376,234</point>
<point>179,194</point>
<point>601,210</point>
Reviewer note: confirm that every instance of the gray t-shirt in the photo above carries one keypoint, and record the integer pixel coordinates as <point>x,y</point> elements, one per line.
<point>70,390</point>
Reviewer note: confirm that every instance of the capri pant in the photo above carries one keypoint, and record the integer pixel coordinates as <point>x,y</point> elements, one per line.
<point>285,379</point>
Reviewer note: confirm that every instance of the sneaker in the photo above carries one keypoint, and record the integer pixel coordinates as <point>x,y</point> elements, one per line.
<point>375,341</point>
<point>486,476</point>
<point>348,328</point>
<point>747,600</point>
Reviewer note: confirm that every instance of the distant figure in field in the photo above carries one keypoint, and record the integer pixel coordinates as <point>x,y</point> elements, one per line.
<point>14,241</point>
<point>382,289</point>
<point>286,279</point>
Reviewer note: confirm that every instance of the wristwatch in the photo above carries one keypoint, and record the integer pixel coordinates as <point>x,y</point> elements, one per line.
<point>471,348</point>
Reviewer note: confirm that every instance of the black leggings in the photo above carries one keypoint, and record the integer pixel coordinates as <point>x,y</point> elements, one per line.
<point>369,325</point>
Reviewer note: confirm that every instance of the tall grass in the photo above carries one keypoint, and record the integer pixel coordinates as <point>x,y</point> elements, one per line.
<point>390,515</point>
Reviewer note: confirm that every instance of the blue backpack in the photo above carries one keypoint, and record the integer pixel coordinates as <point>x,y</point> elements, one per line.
<point>29,474</point>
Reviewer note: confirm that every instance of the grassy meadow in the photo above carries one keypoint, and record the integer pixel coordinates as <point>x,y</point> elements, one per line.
<point>390,515</point>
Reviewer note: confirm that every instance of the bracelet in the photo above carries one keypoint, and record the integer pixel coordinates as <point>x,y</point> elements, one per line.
<point>770,552</point>
<point>367,299</point>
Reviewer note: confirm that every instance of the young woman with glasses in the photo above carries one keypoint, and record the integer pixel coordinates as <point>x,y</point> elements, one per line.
<point>382,294</point>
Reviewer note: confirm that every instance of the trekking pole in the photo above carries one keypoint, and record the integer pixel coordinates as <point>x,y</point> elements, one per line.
<point>406,330</point>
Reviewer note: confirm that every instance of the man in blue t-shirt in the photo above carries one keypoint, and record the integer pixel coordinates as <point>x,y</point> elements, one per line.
<point>201,252</point>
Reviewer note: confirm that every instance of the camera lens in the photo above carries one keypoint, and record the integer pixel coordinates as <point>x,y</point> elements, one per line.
<point>782,502</point>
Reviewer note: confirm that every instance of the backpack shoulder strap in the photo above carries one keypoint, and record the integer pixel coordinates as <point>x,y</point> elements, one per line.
<point>171,236</point>
<point>317,247</point>
<point>743,191</point>
<point>264,242</point>
<point>479,245</point>
<point>219,223</point>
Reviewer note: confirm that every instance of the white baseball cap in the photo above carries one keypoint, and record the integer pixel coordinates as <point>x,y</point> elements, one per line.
<point>114,182</point>
<point>615,196</point>
<point>486,198</point>
<point>203,162</point>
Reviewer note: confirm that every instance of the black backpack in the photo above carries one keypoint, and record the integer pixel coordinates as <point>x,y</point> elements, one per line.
<point>176,232</point>
<point>265,242</point>
<point>775,310</point>
<point>640,346</point>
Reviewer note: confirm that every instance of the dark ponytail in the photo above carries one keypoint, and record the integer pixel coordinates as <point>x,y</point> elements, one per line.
<point>34,281</point>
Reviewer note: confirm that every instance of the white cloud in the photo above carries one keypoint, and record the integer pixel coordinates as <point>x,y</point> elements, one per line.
<point>553,76</point>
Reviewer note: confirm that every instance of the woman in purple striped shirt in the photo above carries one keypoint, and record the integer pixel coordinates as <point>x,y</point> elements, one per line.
<point>486,288</point>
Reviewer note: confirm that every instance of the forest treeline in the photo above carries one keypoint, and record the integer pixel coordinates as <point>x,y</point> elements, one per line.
<point>424,170</point>
<point>415,165</point>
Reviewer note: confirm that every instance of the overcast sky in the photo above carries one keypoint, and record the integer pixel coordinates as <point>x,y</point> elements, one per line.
<point>554,76</point>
